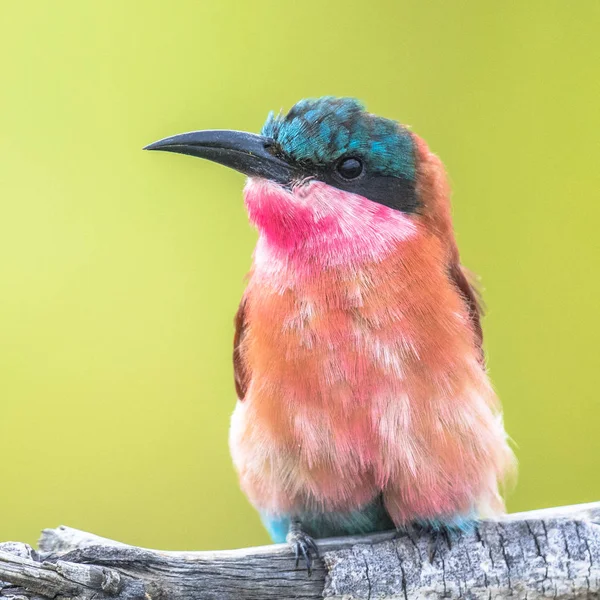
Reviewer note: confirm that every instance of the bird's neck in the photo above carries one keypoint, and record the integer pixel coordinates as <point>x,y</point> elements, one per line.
<point>318,225</point>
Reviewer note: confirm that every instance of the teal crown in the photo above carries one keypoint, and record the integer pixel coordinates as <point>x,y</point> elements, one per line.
<point>320,131</point>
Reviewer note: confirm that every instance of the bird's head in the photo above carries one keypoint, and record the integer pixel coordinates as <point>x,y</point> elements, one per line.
<point>329,179</point>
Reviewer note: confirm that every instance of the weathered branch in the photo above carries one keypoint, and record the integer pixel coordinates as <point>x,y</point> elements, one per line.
<point>552,553</point>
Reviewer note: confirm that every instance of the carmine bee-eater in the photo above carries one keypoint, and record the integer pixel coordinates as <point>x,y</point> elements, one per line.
<point>363,398</point>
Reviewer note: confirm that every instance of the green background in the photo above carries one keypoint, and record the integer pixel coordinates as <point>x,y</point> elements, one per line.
<point>121,270</point>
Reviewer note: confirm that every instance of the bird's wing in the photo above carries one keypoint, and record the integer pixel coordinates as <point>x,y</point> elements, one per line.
<point>240,371</point>
<point>467,283</point>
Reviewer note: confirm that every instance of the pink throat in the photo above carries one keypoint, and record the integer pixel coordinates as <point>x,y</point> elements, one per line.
<point>315,222</point>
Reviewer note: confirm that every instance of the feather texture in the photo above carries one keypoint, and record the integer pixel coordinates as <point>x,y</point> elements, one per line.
<point>358,357</point>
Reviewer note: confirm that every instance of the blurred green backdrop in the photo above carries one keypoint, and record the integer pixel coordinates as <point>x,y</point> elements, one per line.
<point>121,270</point>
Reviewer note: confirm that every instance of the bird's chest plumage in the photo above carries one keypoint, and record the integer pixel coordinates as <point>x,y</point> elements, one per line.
<point>348,372</point>
<point>315,368</point>
<point>320,346</point>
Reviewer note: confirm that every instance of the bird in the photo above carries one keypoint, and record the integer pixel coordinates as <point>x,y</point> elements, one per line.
<point>363,398</point>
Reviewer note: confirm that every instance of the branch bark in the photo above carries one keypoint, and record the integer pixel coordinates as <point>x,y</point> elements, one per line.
<point>552,553</point>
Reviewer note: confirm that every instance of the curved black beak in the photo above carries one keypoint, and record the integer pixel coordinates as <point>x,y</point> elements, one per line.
<point>248,153</point>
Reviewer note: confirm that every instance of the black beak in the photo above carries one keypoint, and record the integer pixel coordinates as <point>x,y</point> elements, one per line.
<point>248,153</point>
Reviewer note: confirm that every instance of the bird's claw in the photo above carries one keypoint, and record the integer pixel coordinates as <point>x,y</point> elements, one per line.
<point>438,535</point>
<point>443,534</point>
<point>304,547</point>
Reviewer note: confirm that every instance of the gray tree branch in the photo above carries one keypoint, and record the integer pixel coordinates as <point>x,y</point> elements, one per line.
<point>552,553</point>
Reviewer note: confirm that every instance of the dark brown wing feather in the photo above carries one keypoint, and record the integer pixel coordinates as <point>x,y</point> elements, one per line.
<point>240,372</point>
<point>466,282</point>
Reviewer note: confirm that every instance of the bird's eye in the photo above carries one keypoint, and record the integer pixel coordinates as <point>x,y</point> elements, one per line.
<point>350,168</point>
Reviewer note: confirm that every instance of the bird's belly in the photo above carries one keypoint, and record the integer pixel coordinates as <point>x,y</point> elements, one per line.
<point>344,407</point>
<point>426,455</point>
<point>304,461</point>
<point>305,436</point>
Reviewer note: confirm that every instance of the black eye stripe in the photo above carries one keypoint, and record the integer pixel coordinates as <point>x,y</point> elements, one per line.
<point>350,167</point>
<point>398,193</point>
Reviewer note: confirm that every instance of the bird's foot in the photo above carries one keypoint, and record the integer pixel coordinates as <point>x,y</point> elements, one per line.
<point>440,535</point>
<point>303,546</point>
